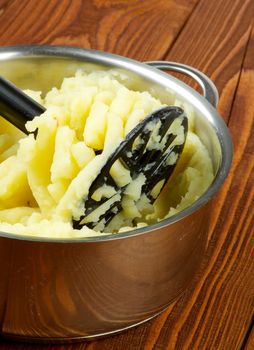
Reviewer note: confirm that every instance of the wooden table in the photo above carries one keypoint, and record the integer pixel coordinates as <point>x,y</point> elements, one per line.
<point>217,37</point>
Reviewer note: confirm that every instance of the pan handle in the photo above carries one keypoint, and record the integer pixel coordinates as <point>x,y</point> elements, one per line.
<point>210,91</point>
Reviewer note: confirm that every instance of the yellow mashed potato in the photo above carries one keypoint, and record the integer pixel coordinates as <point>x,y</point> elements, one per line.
<point>44,180</point>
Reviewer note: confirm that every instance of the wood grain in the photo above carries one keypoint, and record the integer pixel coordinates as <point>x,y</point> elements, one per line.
<point>214,41</point>
<point>224,295</point>
<point>129,28</point>
<point>217,309</point>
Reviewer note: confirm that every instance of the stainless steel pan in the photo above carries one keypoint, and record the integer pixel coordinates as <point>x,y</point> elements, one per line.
<point>67,290</point>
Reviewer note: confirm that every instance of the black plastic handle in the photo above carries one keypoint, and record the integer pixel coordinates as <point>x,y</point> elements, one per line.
<point>16,106</point>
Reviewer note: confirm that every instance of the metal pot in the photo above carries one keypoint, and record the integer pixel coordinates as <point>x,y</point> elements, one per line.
<point>69,290</point>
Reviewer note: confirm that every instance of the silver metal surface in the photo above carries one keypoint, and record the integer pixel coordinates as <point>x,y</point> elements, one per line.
<point>76,289</point>
<point>210,91</point>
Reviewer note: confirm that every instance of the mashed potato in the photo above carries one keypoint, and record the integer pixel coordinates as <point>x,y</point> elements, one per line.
<point>44,180</point>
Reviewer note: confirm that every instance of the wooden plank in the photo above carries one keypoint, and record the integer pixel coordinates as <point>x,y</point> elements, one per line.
<point>215,311</point>
<point>129,28</point>
<point>214,41</point>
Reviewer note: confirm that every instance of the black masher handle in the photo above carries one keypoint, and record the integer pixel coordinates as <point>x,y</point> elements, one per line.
<point>16,106</point>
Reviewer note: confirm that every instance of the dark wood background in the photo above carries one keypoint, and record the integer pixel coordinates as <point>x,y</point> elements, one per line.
<point>217,37</point>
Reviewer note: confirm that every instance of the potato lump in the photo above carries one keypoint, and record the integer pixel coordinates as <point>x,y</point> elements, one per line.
<point>43,180</point>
